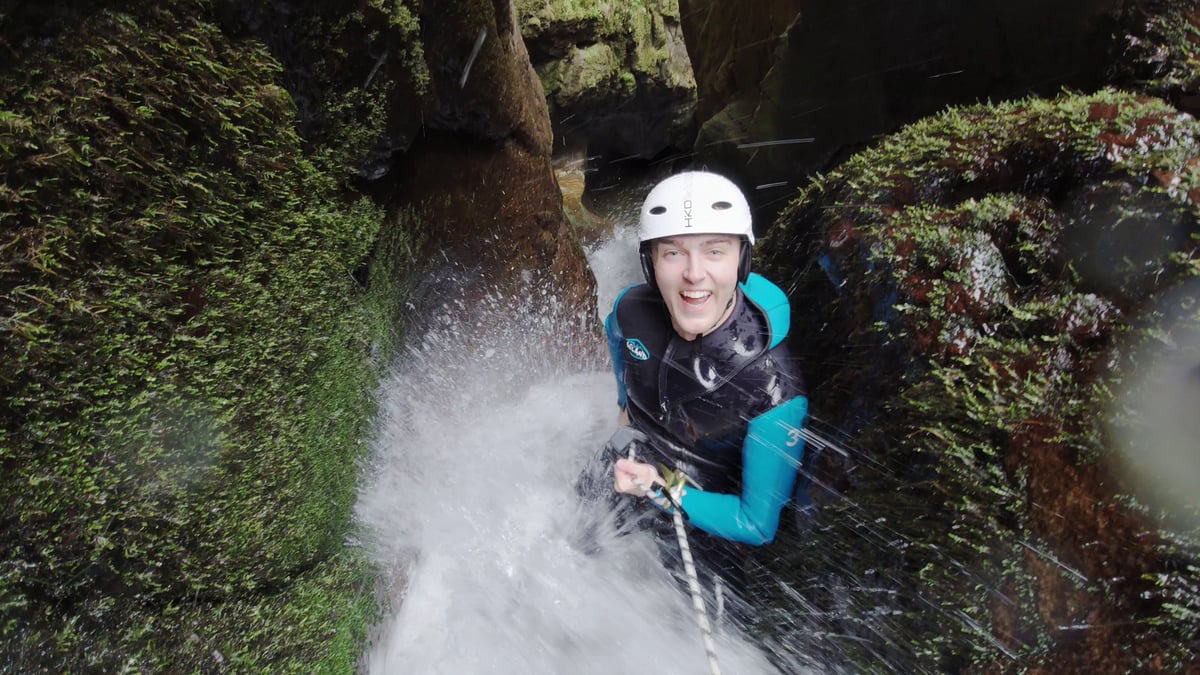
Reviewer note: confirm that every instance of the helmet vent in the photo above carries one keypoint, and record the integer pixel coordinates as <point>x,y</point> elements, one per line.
<point>658,210</point>
<point>721,206</point>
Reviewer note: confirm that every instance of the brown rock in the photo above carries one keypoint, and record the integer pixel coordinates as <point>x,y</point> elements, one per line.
<point>482,175</point>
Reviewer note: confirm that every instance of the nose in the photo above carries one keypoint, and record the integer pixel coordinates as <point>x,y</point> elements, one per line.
<point>694,271</point>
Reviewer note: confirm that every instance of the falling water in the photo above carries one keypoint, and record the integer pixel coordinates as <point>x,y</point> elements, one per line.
<point>472,506</point>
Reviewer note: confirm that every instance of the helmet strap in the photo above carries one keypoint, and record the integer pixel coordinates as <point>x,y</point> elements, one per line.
<point>744,262</point>
<point>646,252</point>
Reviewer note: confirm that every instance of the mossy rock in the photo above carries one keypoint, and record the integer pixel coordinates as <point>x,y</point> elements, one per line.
<point>969,290</point>
<point>191,307</point>
<point>1161,51</point>
<point>616,75</point>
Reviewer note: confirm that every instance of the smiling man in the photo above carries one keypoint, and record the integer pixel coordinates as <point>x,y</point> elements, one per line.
<point>704,375</point>
<point>697,277</point>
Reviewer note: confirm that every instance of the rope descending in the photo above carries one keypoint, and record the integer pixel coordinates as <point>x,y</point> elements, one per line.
<point>671,497</point>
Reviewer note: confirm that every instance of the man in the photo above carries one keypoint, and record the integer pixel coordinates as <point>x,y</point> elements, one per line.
<point>703,374</point>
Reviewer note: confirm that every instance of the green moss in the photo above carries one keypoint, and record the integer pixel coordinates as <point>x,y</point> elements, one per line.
<point>959,251</point>
<point>316,624</point>
<point>650,48</point>
<point>604,16</point>
<point>196,318</point>
<point>1160,54</point>
<point>628,83</point>
<point>348,66</point>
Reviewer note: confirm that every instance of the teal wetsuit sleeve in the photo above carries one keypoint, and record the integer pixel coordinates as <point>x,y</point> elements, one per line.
<point>771,458</point>
<point>616,344</point>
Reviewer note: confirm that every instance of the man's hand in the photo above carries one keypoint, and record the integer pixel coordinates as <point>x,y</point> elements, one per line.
<point>629,474</point>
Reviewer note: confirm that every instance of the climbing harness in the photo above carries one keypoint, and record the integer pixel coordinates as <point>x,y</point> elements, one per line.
<point>669,500</point>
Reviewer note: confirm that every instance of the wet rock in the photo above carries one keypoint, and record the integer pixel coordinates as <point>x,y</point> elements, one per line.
<point>616,76</point>
<point>731,48</point>
<point>481,174</point>
<point>966,294</point>
<point>1156,51</point>
<point>571,173</point>
<point>1117,233</point>
<point>450,122</point>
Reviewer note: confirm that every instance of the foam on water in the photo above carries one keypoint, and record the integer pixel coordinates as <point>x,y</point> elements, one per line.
<point>469,501</point>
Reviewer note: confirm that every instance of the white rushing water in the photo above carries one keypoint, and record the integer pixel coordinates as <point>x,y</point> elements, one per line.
<point>470,498</point>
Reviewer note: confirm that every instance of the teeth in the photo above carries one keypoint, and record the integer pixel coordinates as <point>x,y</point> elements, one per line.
<point>695,295</point>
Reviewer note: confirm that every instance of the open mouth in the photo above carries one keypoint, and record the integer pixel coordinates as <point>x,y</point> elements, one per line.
<point>695,298</point>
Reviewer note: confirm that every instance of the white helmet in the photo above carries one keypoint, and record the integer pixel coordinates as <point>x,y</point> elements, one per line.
<point>694,202</point>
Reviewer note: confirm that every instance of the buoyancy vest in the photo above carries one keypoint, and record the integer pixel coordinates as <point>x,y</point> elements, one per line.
<point>695,399</point>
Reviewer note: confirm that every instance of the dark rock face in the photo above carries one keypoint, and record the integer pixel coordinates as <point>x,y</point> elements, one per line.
<point>732,49</point>
<point>969,299</point>
<point>343,65</point>
<point>836,76</point>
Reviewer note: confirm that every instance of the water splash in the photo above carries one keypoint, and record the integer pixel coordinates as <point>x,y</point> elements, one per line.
<point>470,503</point>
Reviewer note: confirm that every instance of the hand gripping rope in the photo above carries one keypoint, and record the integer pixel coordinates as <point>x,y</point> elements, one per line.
<point>669,499</point>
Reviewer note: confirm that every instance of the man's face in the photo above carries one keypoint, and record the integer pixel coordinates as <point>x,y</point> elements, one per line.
<point>697,275</point>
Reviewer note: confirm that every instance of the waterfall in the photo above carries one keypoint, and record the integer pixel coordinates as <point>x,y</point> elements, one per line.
<point>470,502</point>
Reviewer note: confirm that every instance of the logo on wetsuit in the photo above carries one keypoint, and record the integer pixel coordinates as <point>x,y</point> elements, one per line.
<point>637,350</point>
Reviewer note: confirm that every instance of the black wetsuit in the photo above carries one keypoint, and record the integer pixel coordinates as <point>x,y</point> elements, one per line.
<point>726,408</point>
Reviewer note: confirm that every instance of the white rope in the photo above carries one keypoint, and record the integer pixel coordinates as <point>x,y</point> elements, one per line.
<point>689,567</point>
